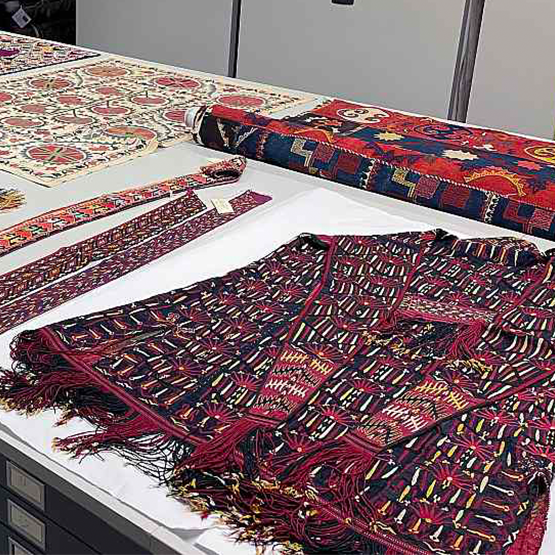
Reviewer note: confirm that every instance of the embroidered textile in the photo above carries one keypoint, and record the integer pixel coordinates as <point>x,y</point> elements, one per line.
<point>73,258</point>
<point>58,125</point>
<point>384,394</point>
<point>53,222</point>
<point>11,199</point>
<point>119,255</point>
<point>21,53</point>
<point>490,176</point>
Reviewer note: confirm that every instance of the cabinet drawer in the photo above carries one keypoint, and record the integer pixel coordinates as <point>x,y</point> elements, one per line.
<point>25,485</point>
<point>13,544</point>
<point>40,532</point>
<point>63,512</point>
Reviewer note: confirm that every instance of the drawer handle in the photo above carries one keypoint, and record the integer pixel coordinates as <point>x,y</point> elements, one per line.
<point>15,548</point>
<point>25,485</point>
<point>26,524</point>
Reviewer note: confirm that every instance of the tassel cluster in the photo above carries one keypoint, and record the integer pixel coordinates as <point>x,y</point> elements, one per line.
<point>11,199</point>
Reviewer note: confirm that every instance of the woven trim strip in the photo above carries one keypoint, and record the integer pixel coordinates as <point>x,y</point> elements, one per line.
<point>74,258</point>
<point>124,262</point>
<point>68,217</point>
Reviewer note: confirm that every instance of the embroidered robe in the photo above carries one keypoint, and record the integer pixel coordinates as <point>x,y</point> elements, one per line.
<point>384,394</point>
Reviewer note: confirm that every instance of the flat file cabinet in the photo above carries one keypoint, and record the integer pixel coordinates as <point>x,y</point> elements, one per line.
<point>36,518</point>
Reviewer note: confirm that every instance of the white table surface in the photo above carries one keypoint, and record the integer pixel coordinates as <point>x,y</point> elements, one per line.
<point>300,204</point>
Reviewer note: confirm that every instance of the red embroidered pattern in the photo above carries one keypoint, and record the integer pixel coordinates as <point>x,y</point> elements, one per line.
<point>299,400</point>
<point>490,176</point>
<point>21,53</point>
<point>64,123</point>
<point>68,217</point>
<point>129,256</point>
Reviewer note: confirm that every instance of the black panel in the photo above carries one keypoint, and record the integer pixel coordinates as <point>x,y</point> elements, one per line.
<point>7,547</point>
<point>50,19</point>
<point>58,540</point>
<point>70,518</point>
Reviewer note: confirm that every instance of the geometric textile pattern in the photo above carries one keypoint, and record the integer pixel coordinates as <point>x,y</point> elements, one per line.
<point>75,257</point>
<point>348,394</point>
<point>60,124</point>
<point>117,252</point>
<point>485,175</point>
<point>61,219</point>
<point>20,53</point>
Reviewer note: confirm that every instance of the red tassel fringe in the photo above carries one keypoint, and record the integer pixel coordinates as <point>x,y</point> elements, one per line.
<point>388,322</point>
<point>218,454</point>
<point>120,433</point>
<point>464,344</point>
<point>262,513</point>
<point>42,380</point>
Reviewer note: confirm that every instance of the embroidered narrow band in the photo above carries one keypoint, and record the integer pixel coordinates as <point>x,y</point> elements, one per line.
<point>110,269</point>
<point>53,222</point>
<point>67,260</point>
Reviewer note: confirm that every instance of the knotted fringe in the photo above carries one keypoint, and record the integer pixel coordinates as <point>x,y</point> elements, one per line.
<point>11,199</point>
<point>388,322</point>
<point>219,454</point>
<point>42,379</point>
<point>295,472</point>
<point>122,433</point>
<point>348,460</point>
<point>462,346</point>
<point>265,514</point>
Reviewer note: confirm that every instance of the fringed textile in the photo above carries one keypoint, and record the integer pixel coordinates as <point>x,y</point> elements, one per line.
<point>11,199</point>
<point>350,394</point>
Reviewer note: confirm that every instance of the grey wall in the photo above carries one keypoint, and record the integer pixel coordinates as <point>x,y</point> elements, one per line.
<point>186,33</point>
<point>514,80</point>
<point>395,53</point>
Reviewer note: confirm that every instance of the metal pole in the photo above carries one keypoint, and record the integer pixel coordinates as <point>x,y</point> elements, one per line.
<point>234,39</point>
<point>466,59</point>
